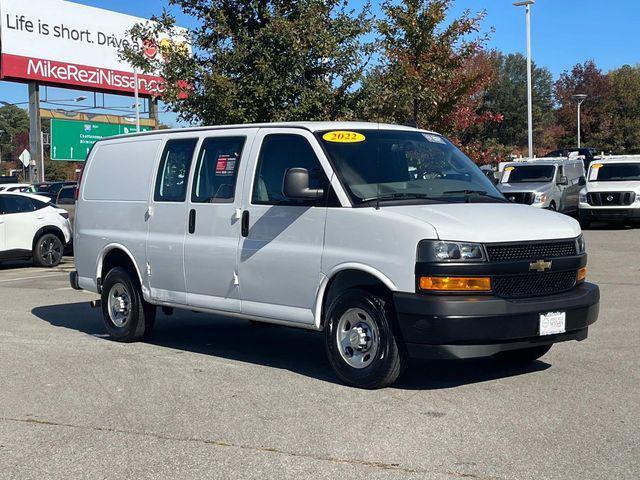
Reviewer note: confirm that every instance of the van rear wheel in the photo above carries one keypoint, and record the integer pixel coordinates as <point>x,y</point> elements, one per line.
<point>361,340</point>
<point>127,317</point>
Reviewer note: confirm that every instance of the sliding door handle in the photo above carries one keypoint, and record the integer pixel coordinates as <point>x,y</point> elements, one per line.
<point>245,223</point>
<point>192,221</point>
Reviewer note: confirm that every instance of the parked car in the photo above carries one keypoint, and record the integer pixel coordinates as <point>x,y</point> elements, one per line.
<point>31,227</point>
<point>17,187</point>
<point>375,234</point>
<point>586,153</point>
<point>612,192</point>
<point>551,183</point>
<point>52,187</point>
<point>66,199</point>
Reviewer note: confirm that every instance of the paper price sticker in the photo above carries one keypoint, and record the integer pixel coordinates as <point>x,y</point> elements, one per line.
<point>506,174</point>
<point>593,173</point>
<point>342,136</point>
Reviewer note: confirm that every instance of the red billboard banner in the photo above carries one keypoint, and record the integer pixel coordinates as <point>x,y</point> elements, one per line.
<point>84,76</point>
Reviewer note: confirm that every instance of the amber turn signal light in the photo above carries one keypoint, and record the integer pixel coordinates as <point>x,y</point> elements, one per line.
<point>455,284</point>
<point>582,274</point>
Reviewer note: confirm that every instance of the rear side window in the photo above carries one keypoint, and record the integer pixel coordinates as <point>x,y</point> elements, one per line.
<point>217,170</point>
<point>67,196</point>
<point>173,173</point>
<point>279,153</point>
<point>10,204</point>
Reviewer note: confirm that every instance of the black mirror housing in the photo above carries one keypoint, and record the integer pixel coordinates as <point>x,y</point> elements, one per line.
<point>296,185</point>
<point>582,182</point>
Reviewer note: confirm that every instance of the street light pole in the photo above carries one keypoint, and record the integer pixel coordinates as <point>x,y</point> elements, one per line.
<point>579,98</point>
<point>527,4</point>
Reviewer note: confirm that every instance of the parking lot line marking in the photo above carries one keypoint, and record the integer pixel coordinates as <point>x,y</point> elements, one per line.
<point>19,279</point>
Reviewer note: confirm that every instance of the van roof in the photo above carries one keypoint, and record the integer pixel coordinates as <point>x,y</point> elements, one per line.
<point>310,126</point>
<point>618,159</point>
<point>544,161</point>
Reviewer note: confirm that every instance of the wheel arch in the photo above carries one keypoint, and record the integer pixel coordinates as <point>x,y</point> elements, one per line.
<point>117,255</point>
<point>43,231</point>
<point>348,276</point>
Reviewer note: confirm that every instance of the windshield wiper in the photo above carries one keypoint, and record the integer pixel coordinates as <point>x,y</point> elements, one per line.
<point>396,196</point>
<point>468,193</point>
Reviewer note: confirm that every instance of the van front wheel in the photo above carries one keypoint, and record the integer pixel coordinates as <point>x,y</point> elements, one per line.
<point>127,317</point>
<point>361,340</point>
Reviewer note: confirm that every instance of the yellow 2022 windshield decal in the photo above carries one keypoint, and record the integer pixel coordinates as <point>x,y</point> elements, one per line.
<point>343,136</point>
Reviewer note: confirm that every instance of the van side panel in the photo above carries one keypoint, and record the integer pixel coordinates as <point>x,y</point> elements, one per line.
<point>112,206</point>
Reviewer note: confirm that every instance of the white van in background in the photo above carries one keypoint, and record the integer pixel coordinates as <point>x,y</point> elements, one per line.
<point>551,183</point>
<point>612,192</point>
<point>375,234</point>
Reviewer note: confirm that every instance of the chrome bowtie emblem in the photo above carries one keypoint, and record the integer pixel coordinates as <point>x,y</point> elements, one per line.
<point>540,265</point>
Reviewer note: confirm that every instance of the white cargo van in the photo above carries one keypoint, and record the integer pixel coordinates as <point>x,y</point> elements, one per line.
<point>612,192</point>
<point>386,238</point>
<point>551,183</point>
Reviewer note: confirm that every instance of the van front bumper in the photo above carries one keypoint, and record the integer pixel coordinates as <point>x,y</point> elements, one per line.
<point>454,326</point>
<point>594,214</point>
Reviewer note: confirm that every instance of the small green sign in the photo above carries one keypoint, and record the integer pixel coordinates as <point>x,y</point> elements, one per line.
<point>71,140</point>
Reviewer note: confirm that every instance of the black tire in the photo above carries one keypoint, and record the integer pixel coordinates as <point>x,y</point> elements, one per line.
<point>525,355</point>
<point>48,250</point>
<point>388,362</point>
<point>552,207</point>
<point>139,316</point>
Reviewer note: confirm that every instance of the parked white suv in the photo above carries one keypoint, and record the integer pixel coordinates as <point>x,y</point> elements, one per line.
<point>612,192</point>
<point>387,238</point>
<point>31,227</point>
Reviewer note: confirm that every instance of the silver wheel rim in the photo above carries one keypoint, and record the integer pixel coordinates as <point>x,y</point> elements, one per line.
<point>358,338</point>
<point>119,304</point>
<point>51,250</point>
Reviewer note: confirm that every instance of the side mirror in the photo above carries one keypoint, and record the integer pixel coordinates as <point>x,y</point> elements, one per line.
<point>296,185</point>
<point>582,182</point>
<point>563,181</point>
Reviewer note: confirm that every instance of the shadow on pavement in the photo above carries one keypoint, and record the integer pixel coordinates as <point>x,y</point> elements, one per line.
<point>292,349</point>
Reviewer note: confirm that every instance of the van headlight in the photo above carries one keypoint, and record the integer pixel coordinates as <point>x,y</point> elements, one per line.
<point>443,251</point>
<point>581,246</point>
<point>582,196</point>
<point>540,198</point>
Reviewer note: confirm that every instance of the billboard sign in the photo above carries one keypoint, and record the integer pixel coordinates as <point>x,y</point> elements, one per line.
<point>71,140</point>
<point>58,42</point>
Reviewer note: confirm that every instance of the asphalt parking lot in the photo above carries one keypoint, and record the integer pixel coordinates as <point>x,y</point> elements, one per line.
<point>219,398</point>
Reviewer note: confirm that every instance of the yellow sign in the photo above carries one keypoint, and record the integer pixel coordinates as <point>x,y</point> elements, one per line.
<point>596,165</point>
<point>342,136</point>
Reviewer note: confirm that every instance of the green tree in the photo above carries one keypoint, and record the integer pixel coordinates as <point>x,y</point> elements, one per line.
<point>260,60</point>
<point>508,97</point>
<point>14,123</point>
<point>625,110</point>
<point>596,115</point>
<point>421,78</point>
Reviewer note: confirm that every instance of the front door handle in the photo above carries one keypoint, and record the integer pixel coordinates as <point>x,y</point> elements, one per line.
<point>192,221</point>
<point>245,223</point>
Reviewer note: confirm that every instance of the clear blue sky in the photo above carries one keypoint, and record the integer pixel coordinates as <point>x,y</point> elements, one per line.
<point>564,32</point>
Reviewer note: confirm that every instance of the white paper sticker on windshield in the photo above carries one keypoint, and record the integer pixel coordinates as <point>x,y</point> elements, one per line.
<point>593,173</point>
<point>434,138</point>
<point>506,174</point>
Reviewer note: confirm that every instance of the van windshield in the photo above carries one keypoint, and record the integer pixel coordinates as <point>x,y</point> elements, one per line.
<point>395,165</point>
<point>617,172</point>
<point>529,174</point>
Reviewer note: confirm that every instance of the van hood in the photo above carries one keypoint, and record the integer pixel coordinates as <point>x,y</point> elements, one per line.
<point>625,186</point>
<point>491,222</point>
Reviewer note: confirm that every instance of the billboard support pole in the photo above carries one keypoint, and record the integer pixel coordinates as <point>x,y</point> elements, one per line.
<point>137,97</point>
<point>153,111</point>
<point>35,130</point>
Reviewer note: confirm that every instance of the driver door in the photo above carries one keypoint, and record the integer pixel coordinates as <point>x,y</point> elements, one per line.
<point>281,239</point>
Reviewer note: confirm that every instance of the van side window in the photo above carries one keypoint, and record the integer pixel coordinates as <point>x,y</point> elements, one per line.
<point>173,174</point>
<point>279,153</point>
<point>217,170</point>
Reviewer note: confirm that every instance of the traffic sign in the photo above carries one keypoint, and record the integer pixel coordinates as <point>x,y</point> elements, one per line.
<point>71,140</point>
<point>25,157</point>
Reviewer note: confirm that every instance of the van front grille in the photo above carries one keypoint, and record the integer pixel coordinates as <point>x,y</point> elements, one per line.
<point>604,199</point>
<point>531,251</point>
<point>533,284</point>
